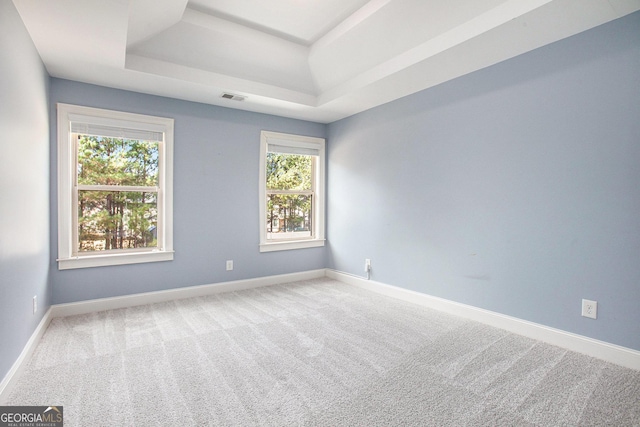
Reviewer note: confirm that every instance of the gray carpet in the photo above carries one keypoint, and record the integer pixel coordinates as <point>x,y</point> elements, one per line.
<point>314,353</point>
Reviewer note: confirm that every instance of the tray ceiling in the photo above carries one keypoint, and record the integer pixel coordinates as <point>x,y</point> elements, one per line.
<point>319,60</point>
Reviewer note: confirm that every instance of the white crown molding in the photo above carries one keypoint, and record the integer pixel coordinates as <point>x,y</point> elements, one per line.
<point>384,50</point>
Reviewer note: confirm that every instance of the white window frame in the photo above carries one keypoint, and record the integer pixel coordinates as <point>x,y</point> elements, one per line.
<point>68,255</point>
<point>317,238</point>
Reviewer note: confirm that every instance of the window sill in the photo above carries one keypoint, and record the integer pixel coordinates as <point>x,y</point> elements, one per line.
<point>87,261</point>
<point>289,245</point>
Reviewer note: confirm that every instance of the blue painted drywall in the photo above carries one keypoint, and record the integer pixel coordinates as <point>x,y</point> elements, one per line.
<point>514,189</point>
<point>215,198</point>
<point>24,187</point>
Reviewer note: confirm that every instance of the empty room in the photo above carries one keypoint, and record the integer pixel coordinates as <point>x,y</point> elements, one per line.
<point>320,212</point>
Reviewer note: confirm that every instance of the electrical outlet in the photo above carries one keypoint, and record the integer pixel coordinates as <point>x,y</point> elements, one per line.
<point>35,304</point>
<point>590,308</point>
<point>230,265</point>
<point>367,265</point>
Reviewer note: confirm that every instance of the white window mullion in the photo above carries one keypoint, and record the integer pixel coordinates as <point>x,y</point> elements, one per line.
<point>303,192</point>
<point>75,197</point>
<point>125,188</point>
<point>162,171</point>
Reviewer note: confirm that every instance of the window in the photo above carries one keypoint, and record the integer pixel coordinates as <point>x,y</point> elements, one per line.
<point>114,188</point>
<point>291,191</point>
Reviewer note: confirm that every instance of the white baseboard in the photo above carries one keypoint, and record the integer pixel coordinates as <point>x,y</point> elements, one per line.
<point>90,306</point>
<point>609,352</point>
<point>619,355</point>
<point>18,366</point>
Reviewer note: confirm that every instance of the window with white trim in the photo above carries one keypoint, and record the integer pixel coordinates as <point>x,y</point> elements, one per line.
<point>115,184</point>
<point>292,170</point>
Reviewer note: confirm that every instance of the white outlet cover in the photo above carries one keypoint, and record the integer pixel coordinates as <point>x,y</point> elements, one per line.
<point>590,308</point>
<point>229,265</point>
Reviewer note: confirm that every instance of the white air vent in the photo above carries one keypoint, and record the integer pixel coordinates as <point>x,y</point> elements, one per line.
<point>233,97</point>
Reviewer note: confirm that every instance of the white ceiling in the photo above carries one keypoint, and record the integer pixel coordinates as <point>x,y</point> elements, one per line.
<point>318,60</point>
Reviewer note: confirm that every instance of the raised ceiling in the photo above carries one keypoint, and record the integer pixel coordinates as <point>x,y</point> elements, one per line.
<point>318,60</point>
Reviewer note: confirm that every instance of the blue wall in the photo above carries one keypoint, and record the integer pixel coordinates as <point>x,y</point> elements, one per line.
<point>216,163</point>
<point>514,189</point>
<point>24,187</point>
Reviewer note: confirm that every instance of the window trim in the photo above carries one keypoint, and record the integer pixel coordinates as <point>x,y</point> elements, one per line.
<point>304,142</point>
<point>66,195</point>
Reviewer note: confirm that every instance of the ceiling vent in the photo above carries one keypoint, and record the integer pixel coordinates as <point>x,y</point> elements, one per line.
<point>233,97</point>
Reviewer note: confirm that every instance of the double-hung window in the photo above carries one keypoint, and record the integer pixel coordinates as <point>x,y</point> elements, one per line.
<point>114,187</point>
<point>291,191</point>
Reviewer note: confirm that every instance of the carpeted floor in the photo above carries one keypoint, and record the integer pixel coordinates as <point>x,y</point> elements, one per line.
<point>314,353</point>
